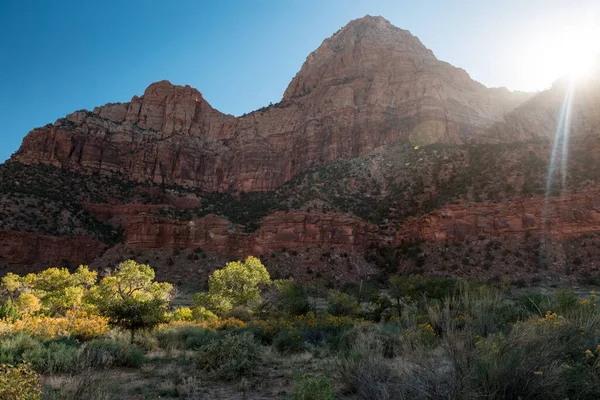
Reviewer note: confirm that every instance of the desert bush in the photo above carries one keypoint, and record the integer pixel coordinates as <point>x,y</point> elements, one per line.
<point>63,355</point>
<point>369,376</point>
<point>307,387</point>
<point>202,314</point>
<point>85,326</point>
<point>229,356</point>
<point>191,335</point>
<point>188,337</point>
<point>144,340</point>
<point>384,338</point>
<point>13,346</point>
<point>8,311</point>
<point>87,385</point>
<point>553,357</point>
<point>105,353</point>
<point>183,314</point>
<point>367,364</point>
<point>19,382</point>
<point>79,325</point>
<point>292,298</point>
<point>241,313</point>
<point>421,334</point>
<point>314,328</point>
<point>566,301</point>
<point>342,304</point>
<point>535,303</point>
<point>53,357</point>
<point>100,353</point>
<point>289,341</point>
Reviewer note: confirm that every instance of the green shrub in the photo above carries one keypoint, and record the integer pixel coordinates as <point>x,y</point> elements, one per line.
<point>292,298</point>
<point>56,357</point>
<point>567,300</point>
<point>342,304</point>
<point>186,337</point>
<point>103,353</point>
<point>289,341</point>
<point>131,357</point>
<point>383,338</point>
<point>202,314</point>
<point>9,311</point>
<point>312,388</point>
<point>12,347</point>
<point>145,340</point>
<point>229,356</point>
<point>240,312</point>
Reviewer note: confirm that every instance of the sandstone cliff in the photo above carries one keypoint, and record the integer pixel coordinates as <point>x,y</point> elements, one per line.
<point>369,85</point>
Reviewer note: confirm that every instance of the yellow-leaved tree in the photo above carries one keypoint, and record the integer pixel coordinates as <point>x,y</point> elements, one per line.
<point>237,284</point>
<point>52,291</point>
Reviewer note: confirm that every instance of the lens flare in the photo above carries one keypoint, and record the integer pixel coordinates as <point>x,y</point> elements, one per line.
<point>561,136</point>
<point>560,144</point>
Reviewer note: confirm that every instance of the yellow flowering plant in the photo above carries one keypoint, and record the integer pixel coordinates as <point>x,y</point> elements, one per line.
<point>19,382</point>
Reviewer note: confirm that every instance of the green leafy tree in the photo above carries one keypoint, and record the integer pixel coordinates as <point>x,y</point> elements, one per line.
<point>292,298</point>
<point>399,288</point>
<point>131,299</point>
<point>236,285</point>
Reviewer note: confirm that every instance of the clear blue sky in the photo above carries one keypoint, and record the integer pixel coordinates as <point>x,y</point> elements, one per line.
<point>60,56</point>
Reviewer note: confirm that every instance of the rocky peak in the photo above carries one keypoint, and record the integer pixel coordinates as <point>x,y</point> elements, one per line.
<point>357,50</point>
<point>166,108</point>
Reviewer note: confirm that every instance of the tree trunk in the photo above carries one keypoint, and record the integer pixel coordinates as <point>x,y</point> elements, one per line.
<point>399,307</point>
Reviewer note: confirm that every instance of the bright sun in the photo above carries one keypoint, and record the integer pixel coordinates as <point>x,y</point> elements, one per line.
<point>579,49</point>
<point>567,51</point>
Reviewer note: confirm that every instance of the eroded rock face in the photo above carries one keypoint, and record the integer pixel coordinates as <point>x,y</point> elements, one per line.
<point>368,85</point>
<point>292,230</point>
<point>556,218</point>
<point>31,249</point>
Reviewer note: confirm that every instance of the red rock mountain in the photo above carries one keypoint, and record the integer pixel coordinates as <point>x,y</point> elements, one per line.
<point>378,155</point>
<point>369,85</point>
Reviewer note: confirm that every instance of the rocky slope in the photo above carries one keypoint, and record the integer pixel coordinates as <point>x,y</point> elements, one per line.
<point>541,114</point>
<point>378,157</point>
